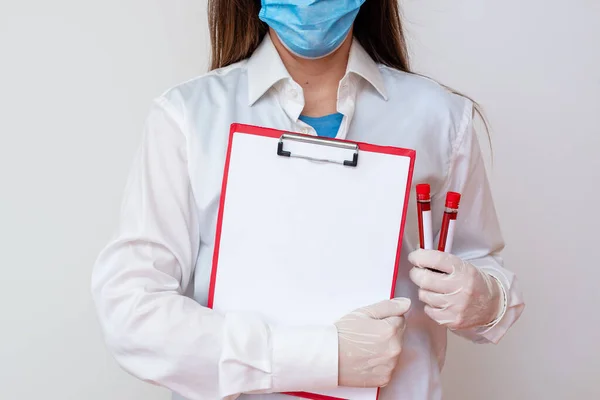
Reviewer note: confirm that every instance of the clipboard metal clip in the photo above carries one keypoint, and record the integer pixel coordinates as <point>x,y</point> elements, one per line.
<point>321,142</point>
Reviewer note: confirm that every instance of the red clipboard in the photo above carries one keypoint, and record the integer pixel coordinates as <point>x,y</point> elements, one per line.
<point>242,129</point>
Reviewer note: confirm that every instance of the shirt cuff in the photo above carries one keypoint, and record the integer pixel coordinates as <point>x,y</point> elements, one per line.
<point>304,358</point>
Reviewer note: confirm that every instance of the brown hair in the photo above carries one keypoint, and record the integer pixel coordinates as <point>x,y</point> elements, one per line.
<point>236,31</point>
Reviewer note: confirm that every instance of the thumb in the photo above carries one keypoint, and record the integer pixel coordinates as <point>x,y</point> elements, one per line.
<point>388,308</point>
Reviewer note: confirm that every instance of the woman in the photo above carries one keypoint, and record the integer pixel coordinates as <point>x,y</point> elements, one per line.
<point>335,68</point>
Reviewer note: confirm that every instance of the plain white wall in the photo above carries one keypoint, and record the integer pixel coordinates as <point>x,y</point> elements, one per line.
<point>535,67</point>
<point>76,80</point>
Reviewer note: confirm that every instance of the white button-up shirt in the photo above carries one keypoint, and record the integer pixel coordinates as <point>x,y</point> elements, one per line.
<point>150,283</point>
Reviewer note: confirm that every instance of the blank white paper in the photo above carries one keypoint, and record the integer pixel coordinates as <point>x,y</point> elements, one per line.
<point>306,242</point>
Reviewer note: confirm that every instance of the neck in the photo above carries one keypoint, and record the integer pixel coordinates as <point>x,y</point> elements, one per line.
<point>319,78</point>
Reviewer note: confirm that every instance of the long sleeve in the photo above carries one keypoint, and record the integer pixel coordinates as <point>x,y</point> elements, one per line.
<point>478,238</point>
<point>163,337</point>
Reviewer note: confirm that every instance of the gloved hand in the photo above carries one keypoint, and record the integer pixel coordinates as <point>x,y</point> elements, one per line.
<point>370,342</point>
<point>462,297</point>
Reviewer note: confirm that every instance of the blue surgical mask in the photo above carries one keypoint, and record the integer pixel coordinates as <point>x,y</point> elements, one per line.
<point>311,28</point>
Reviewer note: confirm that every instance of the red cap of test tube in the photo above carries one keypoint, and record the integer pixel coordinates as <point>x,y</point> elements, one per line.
<point>423,192</point>
<point>452,200</point>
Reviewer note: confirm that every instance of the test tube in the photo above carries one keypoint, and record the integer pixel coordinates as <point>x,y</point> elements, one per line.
<point>424,213</point>
<point>449,222</point>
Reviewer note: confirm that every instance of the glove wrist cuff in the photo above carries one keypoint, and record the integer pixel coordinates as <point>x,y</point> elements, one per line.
<point>503,303</point>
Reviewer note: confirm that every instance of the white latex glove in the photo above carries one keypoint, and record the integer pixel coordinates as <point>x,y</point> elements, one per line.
<point>370,342</point>
<point>462,297</point>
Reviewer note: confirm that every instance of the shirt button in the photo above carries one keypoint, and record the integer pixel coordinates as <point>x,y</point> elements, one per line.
<point>293,93</point>
<point>306,131</point>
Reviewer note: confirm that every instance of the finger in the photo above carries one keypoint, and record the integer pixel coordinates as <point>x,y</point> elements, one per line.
<point>394,322</point>
<point>432,299</point>
<point>433,259</point>
<point>432,281</point>
<point>442,317</point>
<point>387,308</point>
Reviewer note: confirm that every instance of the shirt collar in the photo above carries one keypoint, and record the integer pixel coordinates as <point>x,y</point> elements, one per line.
<point>265,69</point>
<point>361,64</point>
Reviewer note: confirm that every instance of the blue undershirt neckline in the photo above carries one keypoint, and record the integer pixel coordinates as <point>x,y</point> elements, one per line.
<point>326,126</point>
